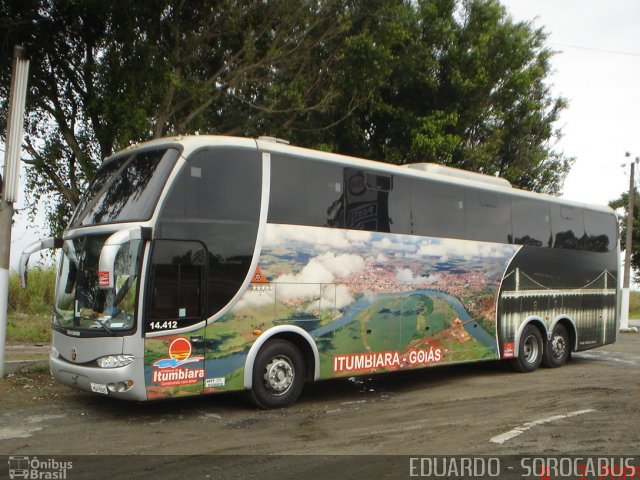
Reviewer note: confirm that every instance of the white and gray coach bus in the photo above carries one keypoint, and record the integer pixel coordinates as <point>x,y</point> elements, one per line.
<point>205,264</point>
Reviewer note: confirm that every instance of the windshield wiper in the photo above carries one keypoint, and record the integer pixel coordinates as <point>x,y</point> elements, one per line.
<point>57,313</point>
<point>103,324</point>
<point>100,322</point>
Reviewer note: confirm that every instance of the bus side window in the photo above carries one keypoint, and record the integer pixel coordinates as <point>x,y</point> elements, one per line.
<point>177,281</point>
<point>305,192</point>
<point>600,231</point>
<point>567,227</point>
<point>287,197</point>
<point>400,206</point>
<point>488,216</point>
<point>382,183</point>
<point>216,200</point>
<point>366,200</point>
<point>531,222</point>
<point>323,193</point>
<point>437,209</point>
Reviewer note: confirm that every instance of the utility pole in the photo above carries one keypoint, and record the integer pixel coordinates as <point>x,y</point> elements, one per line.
<point>624,314</point>
<point>11,180</point>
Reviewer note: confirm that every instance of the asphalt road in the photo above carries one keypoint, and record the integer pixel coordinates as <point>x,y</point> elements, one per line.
<point>591,406</point>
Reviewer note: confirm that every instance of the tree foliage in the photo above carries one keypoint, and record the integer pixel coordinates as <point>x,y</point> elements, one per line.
<point>466,87</point>
<point>621,204</point>
<point>454,82</point>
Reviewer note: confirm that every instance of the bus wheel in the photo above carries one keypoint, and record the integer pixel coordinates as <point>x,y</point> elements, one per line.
<point>278,375</point>
<point>557,350</point>
<point>530,350</point>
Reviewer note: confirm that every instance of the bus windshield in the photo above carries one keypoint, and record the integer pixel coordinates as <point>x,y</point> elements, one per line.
<point>80,303</point>
<point>126,188</point>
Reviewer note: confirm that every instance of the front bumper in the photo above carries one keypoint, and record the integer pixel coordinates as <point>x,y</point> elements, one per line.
<point>96,379</point>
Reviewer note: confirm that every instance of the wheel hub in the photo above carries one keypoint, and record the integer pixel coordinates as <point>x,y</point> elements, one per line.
<point>530,349</point>
<point>279,375</point>
<point>558,346</point>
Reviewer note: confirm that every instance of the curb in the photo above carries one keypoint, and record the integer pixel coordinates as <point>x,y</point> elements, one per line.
<point>39,354</point>
<point>12,366</point>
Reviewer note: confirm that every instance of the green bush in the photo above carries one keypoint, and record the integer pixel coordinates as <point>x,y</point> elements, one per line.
<point>37,298</point>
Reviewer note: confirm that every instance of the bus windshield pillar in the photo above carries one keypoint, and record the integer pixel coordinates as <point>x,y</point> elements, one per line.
<point>109,253</point>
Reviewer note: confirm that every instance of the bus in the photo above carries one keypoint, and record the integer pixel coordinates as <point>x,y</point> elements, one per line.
<point>205,264</point>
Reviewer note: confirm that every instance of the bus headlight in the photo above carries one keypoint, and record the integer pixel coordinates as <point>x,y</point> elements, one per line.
<point>114,361</point>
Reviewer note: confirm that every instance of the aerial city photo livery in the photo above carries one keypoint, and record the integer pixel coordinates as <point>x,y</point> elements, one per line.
<point>205,264</point>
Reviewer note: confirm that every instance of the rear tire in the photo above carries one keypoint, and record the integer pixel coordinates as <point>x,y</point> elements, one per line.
<point>530,351</point>
<point>558,349</point>
<point>278,375</point>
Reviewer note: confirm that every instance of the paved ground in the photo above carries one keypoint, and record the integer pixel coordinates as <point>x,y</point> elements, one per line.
<point>589,406</point>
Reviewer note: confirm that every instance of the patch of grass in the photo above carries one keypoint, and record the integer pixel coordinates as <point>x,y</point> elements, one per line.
<point>38,296</point>
<point>38,367</point>
<point>29,318</point>
<point>28,328</point>
<point>634,305</point>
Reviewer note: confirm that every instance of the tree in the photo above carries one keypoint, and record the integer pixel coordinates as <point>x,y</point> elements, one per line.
<point>621,204</point>
<point>466,87</point>
<point>455,82</point>
<point>108,74</point>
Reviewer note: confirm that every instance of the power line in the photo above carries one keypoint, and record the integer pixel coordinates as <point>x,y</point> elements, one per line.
<point>599,50</point>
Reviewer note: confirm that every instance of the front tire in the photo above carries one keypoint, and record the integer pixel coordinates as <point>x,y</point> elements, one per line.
<point>557,350</point>
<point>530,351</point>
<point>278,375</point>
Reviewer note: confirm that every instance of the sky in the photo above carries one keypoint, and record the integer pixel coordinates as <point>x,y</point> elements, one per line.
<point>596,68</point>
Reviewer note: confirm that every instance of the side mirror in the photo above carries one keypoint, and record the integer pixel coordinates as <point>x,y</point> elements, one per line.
<point>49,242</point>
<point>107,262</point>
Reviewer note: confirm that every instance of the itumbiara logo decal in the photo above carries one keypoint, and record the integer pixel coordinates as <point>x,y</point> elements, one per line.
<point>169,371</point>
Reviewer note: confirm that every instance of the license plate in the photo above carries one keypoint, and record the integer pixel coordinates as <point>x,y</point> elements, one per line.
<point>99,388</point>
